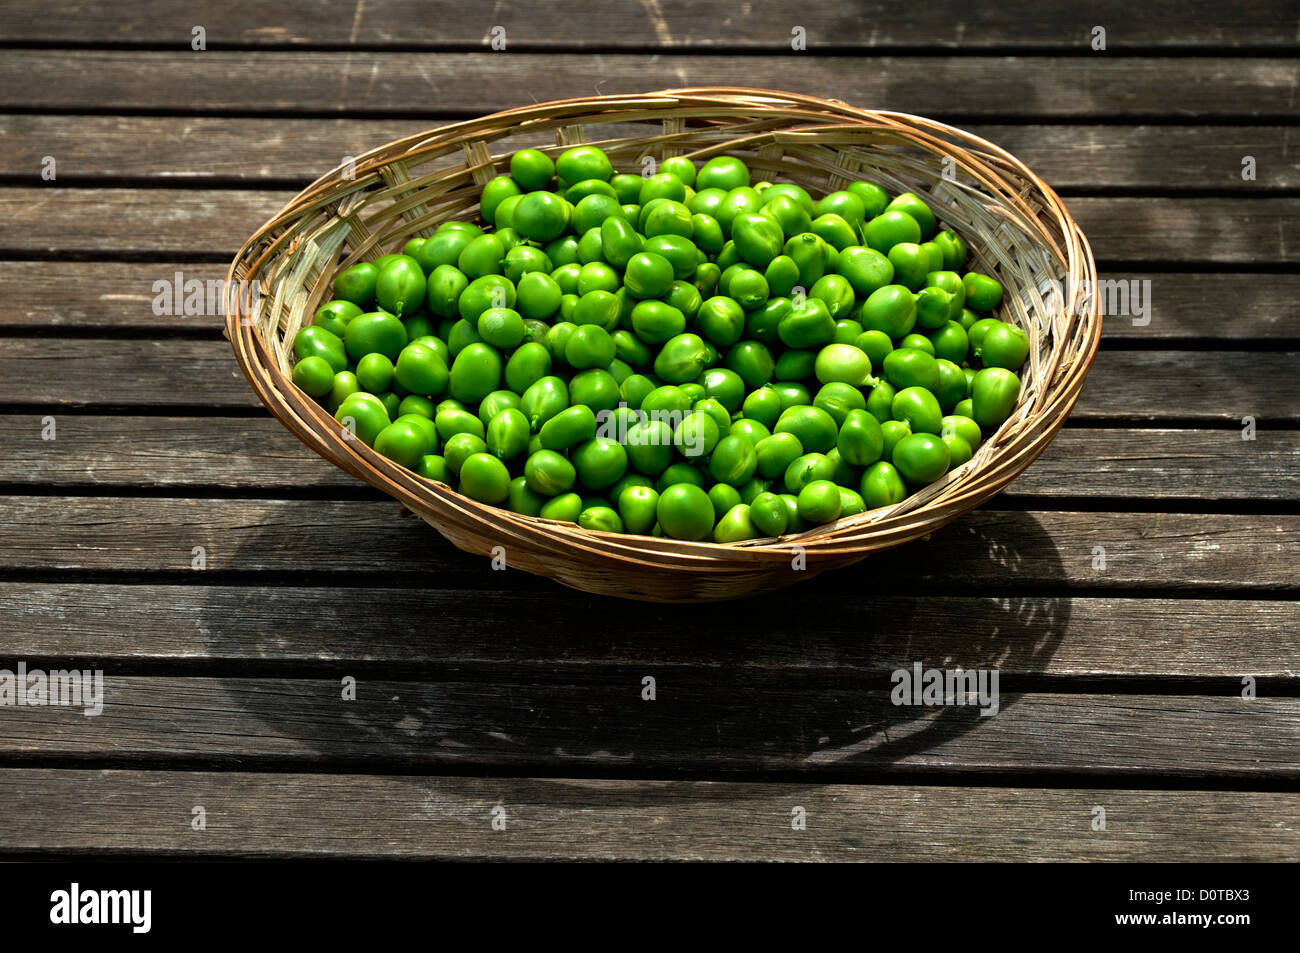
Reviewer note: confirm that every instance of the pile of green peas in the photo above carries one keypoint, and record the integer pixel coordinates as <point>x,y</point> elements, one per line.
<point>681,353</point>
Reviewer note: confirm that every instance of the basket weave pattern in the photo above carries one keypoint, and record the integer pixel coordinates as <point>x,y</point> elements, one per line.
<point>1016,227</point>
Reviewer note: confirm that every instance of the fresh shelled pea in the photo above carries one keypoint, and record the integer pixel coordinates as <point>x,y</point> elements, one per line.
<point>688,353</point>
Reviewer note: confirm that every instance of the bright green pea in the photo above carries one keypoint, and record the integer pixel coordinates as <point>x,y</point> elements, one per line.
<point>994,392</point>
<point>919,408</point>
<point>685,512</point>
<point>860,441</point>
<point>921,457</point>
<point>314,375</point>
<point>982,292</point>
<point>819,502</point>
<point>891,310</point>
<point>882,485</point>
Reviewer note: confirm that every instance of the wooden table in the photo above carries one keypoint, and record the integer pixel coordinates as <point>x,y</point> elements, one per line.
<point>229,583</point>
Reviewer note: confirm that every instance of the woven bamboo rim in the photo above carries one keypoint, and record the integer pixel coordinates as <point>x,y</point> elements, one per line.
<point>1016,226</point>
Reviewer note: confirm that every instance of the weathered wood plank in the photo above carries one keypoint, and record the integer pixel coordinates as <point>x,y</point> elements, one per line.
<point>52,374</point>
<point>315,815</point>
<point>294,152</point>
<point>115,296</point>
<point>986,547</point>
<point>162,222</point>
<point>714,722</point>
<point>668,24</point>
<point>189,452</point>
<point>407,83</point>
<point>280,629</point>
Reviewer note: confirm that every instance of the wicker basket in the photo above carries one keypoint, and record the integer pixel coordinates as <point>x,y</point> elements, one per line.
<point>1016,227</point>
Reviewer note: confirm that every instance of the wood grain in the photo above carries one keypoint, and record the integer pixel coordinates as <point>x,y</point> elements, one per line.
<point>711,722</point>
<point>165,223</point>
<point>987,547</point>
<point>407,84</point>
<point>91,452</point>
<point>118,296</point>
<point>292,629</point>
<point>53,374</point>
<point>142,813</point>
<point>293,152</point>
<point>670,24</point>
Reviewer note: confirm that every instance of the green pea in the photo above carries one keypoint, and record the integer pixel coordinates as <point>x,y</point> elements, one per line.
<point>768,514</point>
<point>836,292</point>
<point>648,275</point>
<point>752,429</point>
<point>548,473</point>
<point>788,213</point>
<point>635,389</point>
<point>543,399</point>
<point>507,434</point>
<point>315,341</point>
<point>589,346</point>
<point>982,292</point>
<point>595,387</point>
<point>952,385</point>
<point>685,512</point>
<point>774,454</point>
<point>837,399</point>
<point>834,230</point>
<point>402,443</point>
<point>721,320</point>
<point>782,275</point>
<point>681,359</point>
<point>451,421</point>
<point>914,206</point>
<point>891,227</point>
<point>434,467</point>
<point>335,315</point>
<point>529,363</point>
<point>758,238</point>
<point>475,373</point>
<point>819,502</point>
<point>792,394</point>
<point>882,485</point>
<point>364,415</point>
<point>910,367</point>
<point>893,431</point>
<point>874,199</point>
<point>345,384</point>
<point>357,283</point>
<point>373,333</point>
<point>764,324</point>
<point>807,326</point>
<point>814,427</point>
<point>808,254</point>
<point>568,428</point>
<point>960,425</point>
<point>314,375</point>
<point>566,508</point>
<point>735,526</point>
<point>806,469</point>
<point>860,441</point>
<point>994,392</point>
<point>921,457</point>
<point>952,248</point>
<point>919,408</point>
<point>733,460</point>
<point>964,408</point>
<point>599,462</point>
<point>696,435</point>
<point>1006,346</point>
<point>844,363</point>
<point>764,405</point>
<point>723,496</point>
<point>375,373</point>
<point>950,342</point>
<point>488,291</point>
<point>891,310</point>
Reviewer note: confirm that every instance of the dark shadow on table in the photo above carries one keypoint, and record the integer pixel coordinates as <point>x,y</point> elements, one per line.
<point>518,674</point>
